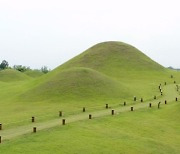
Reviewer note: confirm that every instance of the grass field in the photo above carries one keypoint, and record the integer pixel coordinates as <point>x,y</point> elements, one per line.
<point>110,72</point>
<point>142,131</point>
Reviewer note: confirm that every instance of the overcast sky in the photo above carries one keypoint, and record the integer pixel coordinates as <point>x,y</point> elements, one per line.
<point>49,32</point>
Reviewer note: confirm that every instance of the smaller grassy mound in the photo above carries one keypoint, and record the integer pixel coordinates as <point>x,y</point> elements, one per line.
<point>79,84</point>
<point>10,75</point>
<point>34,73</point>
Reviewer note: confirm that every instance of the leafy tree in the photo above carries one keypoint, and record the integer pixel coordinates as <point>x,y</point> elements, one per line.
<point>21,68</point>
<point>4,64</point>
<point>45,69</point>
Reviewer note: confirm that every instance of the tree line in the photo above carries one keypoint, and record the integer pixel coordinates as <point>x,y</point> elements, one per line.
<point>5,65</point>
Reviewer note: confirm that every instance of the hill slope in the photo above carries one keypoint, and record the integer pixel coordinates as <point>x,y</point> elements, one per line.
<point>113,59</point>
<point>78,83</point>
<point>106,70</point>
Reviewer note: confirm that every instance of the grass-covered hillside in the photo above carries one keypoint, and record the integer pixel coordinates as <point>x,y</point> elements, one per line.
<point>113,59</point>
<point>108,73</point>
<point>78,83</point>
<point>104,71</point>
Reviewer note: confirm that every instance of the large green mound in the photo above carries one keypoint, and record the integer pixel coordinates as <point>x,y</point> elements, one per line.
<point>100,73</point>
<point>10,75</point>
<point>114,59</point>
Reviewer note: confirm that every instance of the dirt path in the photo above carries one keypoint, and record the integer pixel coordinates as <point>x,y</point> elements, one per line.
<point>169,94</point>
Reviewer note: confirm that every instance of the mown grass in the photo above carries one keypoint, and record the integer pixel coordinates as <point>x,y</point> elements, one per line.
<point>13,109</point>
<point>143,131</point>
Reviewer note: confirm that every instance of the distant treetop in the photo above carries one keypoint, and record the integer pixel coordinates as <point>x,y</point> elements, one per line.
<point>4,65</point>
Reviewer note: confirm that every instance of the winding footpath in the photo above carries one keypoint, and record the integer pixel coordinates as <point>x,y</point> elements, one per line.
<point>169,93</point>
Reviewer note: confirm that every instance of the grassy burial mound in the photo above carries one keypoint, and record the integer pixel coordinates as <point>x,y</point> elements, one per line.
<point>109,70</point>
<point>10,75</point>
<point>79,84</point>
<point>114,59</point>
